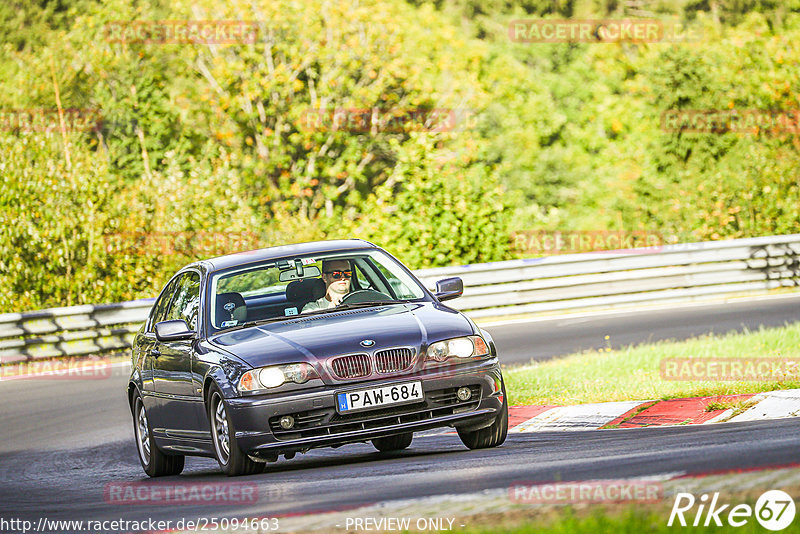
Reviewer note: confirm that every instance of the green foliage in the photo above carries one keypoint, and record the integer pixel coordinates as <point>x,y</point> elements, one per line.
<point>436,212</point>
<point>205,149</point>
<point>723,184</point>
<point>201,140</point>
<point>576,128</point>
<point>50,221</point>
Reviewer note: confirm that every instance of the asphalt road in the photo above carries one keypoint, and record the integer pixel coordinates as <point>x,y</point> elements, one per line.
<point>68,454</point>
<point>63,442</point>
<point>543,339</point>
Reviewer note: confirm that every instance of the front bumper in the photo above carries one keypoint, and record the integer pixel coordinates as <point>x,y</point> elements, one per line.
<point>317,423</point>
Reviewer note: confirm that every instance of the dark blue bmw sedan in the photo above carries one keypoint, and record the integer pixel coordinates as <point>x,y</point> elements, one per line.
<point>276,351</point>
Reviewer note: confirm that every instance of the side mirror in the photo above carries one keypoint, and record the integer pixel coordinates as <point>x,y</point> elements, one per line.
<point>449,288</point>
<point>173,330</point>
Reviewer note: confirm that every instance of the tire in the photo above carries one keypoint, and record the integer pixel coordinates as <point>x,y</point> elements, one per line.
<point>232,460</point>
<point>393,443</point>
<point>491,436</point>
<point>154,462</point>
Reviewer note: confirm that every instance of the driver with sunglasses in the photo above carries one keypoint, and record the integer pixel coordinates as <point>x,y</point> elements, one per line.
<point>336,274</point>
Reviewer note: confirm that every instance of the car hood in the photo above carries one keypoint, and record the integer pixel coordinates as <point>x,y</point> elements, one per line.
<point>318,337</point>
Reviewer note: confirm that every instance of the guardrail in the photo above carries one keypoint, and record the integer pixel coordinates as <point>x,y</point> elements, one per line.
<point>70,331</point>
<point>605,279</point>
<point>589,280</point>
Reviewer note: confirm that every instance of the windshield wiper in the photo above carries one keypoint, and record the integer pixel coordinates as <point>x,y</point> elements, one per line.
<point>366,304</point>
<point>341,307</point>
<point>255,323</point>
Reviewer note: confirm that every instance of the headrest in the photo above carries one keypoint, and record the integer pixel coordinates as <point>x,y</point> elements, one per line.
<point>307,289</point>
<point>230,305</point>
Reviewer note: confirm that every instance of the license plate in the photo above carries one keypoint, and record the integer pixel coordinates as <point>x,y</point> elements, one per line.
<point>382,396</point>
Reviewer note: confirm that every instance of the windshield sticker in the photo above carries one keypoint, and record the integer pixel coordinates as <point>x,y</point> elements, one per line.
<point>226,324</point>
<point>290,311</point>
<point>308,261</point>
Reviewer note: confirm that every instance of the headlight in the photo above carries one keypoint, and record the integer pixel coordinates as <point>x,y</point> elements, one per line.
<point>271,377</point>
<point>460,347</point>
<point>277,375</point>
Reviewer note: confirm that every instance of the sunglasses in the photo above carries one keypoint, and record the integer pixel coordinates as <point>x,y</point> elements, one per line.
<point>338,275</point>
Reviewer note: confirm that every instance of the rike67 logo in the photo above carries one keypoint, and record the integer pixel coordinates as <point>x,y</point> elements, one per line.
<point>774,510</point>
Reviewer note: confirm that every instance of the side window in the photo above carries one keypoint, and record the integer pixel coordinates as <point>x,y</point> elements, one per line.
<point>186,303</point>
<point>160,307</point>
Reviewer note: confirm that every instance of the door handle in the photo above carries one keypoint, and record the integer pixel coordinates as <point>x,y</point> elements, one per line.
<point>155,353</point>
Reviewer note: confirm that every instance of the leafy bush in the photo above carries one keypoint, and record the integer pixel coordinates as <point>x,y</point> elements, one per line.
<point>206,149</point>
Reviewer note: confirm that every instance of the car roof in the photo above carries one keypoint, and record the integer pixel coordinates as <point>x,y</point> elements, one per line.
<point>265,254</point>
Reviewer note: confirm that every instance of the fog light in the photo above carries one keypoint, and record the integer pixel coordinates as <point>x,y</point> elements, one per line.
<point>287,422</point>
<point>463,394</point>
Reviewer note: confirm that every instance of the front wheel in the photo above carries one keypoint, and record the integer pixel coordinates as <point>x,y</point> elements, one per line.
<point>232,460</point>
<point>491,436</point>
<point>154,462</point>
<point>393,443</point>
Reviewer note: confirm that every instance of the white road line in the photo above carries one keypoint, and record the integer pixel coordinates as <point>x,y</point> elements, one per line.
<point>579,417</point>
<point>59,375</point>
<point>721,417</point>
<point>792,480</point>
<point>773,405</point>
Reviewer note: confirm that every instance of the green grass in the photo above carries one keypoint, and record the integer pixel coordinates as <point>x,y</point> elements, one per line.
<point>724,405</point>
<point>738,406</point>
<point>634,373</point>
<point>638,410</point>
<point>599,520</point>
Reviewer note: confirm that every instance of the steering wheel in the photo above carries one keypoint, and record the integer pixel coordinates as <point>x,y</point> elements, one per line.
<point>364,295</point>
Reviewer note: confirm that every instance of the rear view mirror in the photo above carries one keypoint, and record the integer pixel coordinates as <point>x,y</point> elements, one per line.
<point>449,288</point>
<point>309,271</point>
<point>173,330</point>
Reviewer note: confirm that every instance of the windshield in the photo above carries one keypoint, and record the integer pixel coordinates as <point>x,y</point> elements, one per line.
<point>287,287</point>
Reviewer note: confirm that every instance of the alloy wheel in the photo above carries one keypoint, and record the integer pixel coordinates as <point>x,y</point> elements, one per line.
<point>222,440</point>
<point>142,434</point>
